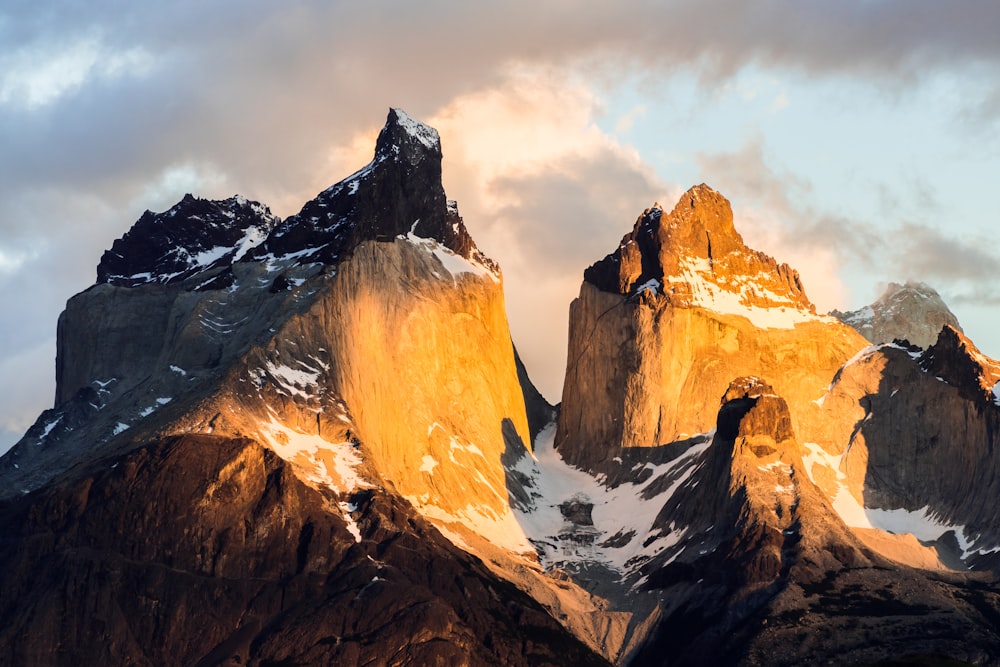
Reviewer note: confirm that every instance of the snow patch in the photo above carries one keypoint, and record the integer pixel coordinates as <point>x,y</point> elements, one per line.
<point>651,285</point>
<point>294,380</point>
<point>923,523</point>
<point>352,525</point>
<point>320,459</point>
<point>427,464</point>
<point>51,425</point>
<point>621,512</point>
<point>735,298</point>
<point>425,134</point>
<point>452,262</point>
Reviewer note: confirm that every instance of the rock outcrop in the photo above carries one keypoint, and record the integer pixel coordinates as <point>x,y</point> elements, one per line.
<point>916,447</point>
<point>912,311</point>
<point>766,573</point>
<point>664,323</point>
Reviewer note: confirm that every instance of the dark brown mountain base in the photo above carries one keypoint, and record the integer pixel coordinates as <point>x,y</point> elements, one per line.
<point>200,550</point>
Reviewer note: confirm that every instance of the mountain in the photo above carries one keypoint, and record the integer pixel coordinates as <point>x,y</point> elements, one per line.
<point>912,311</point>
<point>664,323</point>
<point>311,441</point>
<point>701,381</point>
<point>248,412</point>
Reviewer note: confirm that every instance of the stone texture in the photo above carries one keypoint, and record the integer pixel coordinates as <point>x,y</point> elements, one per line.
<point>919,429</point>
<point>771,576</point>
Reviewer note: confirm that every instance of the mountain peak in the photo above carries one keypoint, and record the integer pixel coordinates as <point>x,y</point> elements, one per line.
<point>398,194</point>
<point>404,136</point>
<point>701,225</point>
<point>193,236</point>
<point>956,360</point>
<point>913,311</point>
<point>694,256</point>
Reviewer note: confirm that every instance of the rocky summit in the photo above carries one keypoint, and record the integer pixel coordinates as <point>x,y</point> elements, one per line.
<point>311,441</point>
<point>913,312</point>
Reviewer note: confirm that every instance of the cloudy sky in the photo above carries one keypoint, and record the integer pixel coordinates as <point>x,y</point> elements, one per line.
<point>857,140</point>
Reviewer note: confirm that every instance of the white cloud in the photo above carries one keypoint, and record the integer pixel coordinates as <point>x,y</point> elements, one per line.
<point>27,392</point>
<point>204,180</point>
<point>39,75</point>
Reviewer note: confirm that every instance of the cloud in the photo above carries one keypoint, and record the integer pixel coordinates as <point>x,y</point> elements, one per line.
<point>32,78</point>
<point>924,251</point>
<point>108,108</point>
<point>19,398</point>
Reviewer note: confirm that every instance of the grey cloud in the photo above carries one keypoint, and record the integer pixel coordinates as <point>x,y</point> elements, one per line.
<point>745,177</point>
<point>576,211</point>
<point>925,251</point>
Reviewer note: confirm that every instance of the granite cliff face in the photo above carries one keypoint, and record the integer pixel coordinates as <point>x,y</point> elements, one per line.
<point>311,441</point>
<point>912,311</point>
<point>666,321</point>
<point>368,321</point>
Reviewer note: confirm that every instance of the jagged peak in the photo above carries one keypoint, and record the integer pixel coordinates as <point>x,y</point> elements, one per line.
<point>192,236</point>
<point>912,310</point>
<point>404,136</point>
<point>398,195</point>
<point>694,257</point>
<point>955,359</point>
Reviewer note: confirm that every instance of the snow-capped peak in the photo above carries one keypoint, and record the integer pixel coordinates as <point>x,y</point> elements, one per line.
<point>425,134</point>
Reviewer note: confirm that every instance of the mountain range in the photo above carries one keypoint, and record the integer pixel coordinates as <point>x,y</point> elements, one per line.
<point>312,441</point>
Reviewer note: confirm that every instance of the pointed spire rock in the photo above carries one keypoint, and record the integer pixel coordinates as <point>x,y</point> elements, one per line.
<point>399,193</point>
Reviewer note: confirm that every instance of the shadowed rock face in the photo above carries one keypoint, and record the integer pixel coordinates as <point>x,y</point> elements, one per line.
<point>206,550</point>
<point>771,576</point>
<point>918,431</point>
<point>913,312</point>
<point>196,236</point>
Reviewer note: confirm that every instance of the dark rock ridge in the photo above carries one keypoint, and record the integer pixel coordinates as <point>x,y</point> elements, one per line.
<point>201,550</point>
<point>194,237</point>
<point>913,311</point>
<point>398,193</point>
<point>767,574</point>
